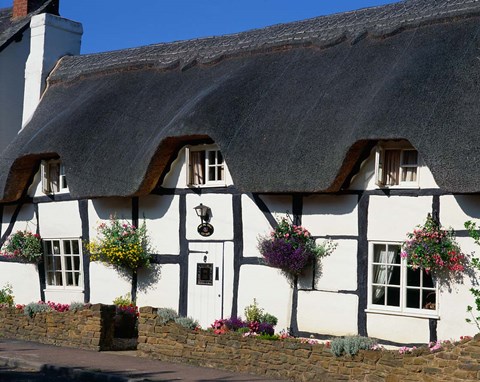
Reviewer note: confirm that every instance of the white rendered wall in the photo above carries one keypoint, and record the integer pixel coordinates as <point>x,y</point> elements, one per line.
<point>26,219</point>
<point>100,210</point>
<point>159,286</point>
<point>12,80</point>
<point>327,313</point>
<point>391,218</point>
<point>270,288</point>
<point>60,220</point>
<point>106,284</point>
<point>161,214</point>
<point>24,281</point>
<point>330,215</point>
<point>401,329</point>
<point>51,38</point>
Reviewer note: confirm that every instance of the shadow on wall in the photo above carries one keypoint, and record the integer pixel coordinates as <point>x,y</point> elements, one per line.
<point>121,208</point>
<point>148,277</point>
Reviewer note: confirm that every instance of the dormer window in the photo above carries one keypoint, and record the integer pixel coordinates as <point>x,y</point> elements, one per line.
<point>396,165</point>
<point>205,166</point>
<point>53,177</point>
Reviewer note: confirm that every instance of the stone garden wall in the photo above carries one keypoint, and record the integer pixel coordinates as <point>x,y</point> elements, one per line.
<point>291,359</point>
<point>89,328</point>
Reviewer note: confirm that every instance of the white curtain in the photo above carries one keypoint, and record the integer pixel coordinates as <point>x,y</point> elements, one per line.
<point>391,167</point>
<point>383,273</point>
<point>197,163</point>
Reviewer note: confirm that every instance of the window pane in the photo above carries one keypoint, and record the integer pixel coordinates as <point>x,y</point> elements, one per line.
<point>220,173</point>
<point>211,173</point>
<point>58,278</point>
<point>75,247</point>
<point>56,247</point>
<point>378,295</point>
<point>68,263</point>
<point>413,277</point>
<point>77,278</point>
<point>393,275</point>
<point>379,274</point>
<point>409,157</point>
<point>69,276</point>
<point>57,263</point>
<point>391,167</point>
<point>219,157</point>
<point>48,246</point>
<point>429,299</point>
<point>427,280</point>
<point>67,249</point>
<point>212,158</point>
<point>197,167</point>
<point>50,278</point>
<point>413,298</point>
<point>379,253</point>
<point>393,296</point>
<point>76,263</point>
<point>409,174</point>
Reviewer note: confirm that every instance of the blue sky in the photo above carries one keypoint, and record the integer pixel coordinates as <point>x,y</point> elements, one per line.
<point>117,24</point>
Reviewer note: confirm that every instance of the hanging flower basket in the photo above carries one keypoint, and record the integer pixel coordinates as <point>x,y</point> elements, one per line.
<point>433,249</point>
<point>291,248</point>
<point>121,244</point>
<point>23,246</point>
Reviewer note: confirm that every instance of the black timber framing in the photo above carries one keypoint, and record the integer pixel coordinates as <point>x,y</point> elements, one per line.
<point>83,212</point>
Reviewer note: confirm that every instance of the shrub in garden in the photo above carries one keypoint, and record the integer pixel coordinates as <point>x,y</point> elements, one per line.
<point>77,306</point>
<point>24,246</point>
<point>165,315</point>
<point>6,296</point>
<point>351,345</point>
<point>187,322</point>
<point>33,308</point>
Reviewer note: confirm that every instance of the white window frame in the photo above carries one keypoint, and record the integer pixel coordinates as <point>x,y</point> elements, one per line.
<point>402,309</point>
<point>380,159</point>
<point>49,185</point>
<point>207,149</point>
<point>63,270</point>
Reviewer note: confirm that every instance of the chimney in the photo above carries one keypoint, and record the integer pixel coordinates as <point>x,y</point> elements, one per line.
<point>22,8</point>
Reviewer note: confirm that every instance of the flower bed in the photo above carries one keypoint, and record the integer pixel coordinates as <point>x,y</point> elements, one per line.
<point>303,360</point>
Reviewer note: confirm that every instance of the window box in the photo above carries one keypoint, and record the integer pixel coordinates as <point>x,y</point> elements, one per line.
<point>205,167</point>
<point>53,177</point>
<point>63,263</point>
<point>396,288</point>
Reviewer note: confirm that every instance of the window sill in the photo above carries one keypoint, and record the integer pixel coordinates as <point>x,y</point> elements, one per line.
<point>399,187</point>
<point>434,315</point>
<point>210,185</point>
<point>63,289</point>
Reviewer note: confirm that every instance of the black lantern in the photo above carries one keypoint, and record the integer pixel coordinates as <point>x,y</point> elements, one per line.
<point>203,212</point>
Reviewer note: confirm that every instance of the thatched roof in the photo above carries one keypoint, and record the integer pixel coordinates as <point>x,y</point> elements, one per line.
<point>292,106</point>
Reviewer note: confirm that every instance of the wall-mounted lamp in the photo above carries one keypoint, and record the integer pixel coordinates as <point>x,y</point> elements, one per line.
<point>203,212</point>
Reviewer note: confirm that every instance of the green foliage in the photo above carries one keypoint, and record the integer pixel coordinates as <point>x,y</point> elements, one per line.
<point>253,313</point>
<point>123,300</point>
<point>165,315</point>
<point>243,330</point>
<point>269,319</point>
<point>6,296</point>
<point>350,345</point>
<point>36,307</point>
<point>474,233</point>
<point>269,337</point>
<point>76,306</point>
<point>187,322</point>
<point>24,246</point>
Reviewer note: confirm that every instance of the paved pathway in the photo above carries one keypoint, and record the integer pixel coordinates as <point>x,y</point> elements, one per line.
<point>84,365</point>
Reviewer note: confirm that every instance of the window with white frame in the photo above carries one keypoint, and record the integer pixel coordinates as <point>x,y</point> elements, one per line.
<point>206,166</point>
<point>53,177</point>
<point>63,262</point>
<point>396,287</point>
<point>396,165</point>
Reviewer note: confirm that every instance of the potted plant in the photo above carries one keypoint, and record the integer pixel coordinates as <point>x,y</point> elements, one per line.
<point>434,249</point>
<point>23,246</point>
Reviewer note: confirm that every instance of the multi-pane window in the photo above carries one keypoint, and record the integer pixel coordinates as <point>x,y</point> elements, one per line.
<point>397,167</point>
<point>63,262</point>
<point>205,167</point>
<point>395,286</point>
<point>53,177</point>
